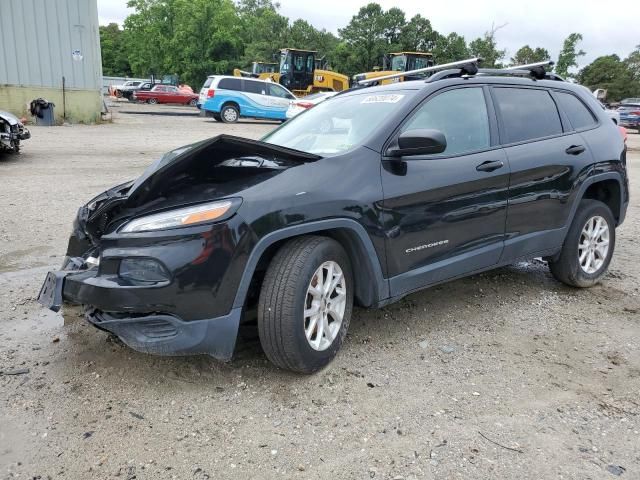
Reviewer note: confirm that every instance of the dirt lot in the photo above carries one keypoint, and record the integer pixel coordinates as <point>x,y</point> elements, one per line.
<point>505,375</point>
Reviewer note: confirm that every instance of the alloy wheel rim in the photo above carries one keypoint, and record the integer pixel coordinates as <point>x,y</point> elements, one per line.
<point>593,245</point>
<point>325,304</point>
<point>230,114</point>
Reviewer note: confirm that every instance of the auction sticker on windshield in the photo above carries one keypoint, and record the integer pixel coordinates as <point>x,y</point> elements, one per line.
<point>388,98</point>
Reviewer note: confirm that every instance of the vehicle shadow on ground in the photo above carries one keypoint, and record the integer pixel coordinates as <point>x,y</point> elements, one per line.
<point>425,314</point>
<point>159,113</point>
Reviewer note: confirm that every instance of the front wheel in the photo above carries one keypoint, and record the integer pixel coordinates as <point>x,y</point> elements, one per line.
<point>305,304</point>
<point>588,247</point>
<point>152,101</point>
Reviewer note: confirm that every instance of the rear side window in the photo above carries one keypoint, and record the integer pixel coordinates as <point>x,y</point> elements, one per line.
<point>207,82</point>
<point>460,114</point>
<point>230,84</point>
<point>527,114</point>
<point>251,86</point>
<point>579,115</point>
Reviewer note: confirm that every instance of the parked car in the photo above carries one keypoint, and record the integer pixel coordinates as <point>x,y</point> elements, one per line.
<point>227,99</point>
<point>144,86</point>
<point>12,132</point>
<point>421,183</point>
<point>166,94</point>
<point>629,112</point>
<point>119,90</point>
<point>305,103</point>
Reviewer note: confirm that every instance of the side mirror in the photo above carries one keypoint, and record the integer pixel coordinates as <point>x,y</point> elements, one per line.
<point>419,142</point>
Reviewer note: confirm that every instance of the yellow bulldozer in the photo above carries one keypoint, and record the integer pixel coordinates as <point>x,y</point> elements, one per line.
<point>398,62</point>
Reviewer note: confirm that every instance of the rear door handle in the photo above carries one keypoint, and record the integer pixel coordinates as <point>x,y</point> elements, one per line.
<point>575,149</point>
<point>490,166</point>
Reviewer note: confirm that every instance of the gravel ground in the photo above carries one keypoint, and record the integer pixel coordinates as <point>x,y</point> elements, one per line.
<point>507,374</point>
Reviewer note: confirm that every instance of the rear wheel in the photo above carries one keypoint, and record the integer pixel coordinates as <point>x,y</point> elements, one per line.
<point>305,304</point>
<point>229,114</point>
<point>193,102</point>
<point>588,247</point>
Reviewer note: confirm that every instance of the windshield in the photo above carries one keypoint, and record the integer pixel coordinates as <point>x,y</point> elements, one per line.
<point>338,124</point>
<point>284,61</point>
<point>398,63</point>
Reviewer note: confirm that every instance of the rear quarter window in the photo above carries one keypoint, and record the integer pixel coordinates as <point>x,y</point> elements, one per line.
<point>526,113</point>
<point>577,112</point>
<point>230,84</point>
<point>207,82</point>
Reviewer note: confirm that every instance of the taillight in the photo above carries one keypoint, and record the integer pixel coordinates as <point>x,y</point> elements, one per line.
<point>637,112</point>
<point>210,92</point>
<point>304,104</point>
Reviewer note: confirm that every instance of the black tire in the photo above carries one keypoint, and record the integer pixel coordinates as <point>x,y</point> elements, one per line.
<point>283,299</point>
<point>217,117</point>
<point>193,102</point>
<point>229,114</point>
<point>566,267</point>
<point>152,101</point>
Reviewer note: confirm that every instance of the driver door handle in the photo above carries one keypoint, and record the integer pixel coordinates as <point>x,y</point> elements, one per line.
<point>575,149</point>
<point>490,166</point>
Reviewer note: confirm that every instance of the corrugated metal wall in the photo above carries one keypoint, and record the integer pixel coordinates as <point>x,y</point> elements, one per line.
<point>38,38</point>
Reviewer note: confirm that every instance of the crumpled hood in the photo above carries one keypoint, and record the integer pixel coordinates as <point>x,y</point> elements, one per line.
<point>220,167</point>
<point>203,157</point>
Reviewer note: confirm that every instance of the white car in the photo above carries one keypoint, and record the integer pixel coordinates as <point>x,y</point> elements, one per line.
<point>300,105</point>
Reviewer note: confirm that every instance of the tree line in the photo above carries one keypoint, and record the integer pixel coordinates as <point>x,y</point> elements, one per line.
<point>196,38</point>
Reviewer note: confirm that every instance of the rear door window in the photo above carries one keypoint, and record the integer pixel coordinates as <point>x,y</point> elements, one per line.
<point>527,114</point>
<point>460,114</point>
<point>577,112</point>
<point>251,86</point>
<point>230,84</point>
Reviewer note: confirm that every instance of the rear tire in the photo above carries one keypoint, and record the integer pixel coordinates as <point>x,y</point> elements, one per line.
<point>305,304</point>
<point>193,102</point>
<point>588,246</point>
<point>229,114</point>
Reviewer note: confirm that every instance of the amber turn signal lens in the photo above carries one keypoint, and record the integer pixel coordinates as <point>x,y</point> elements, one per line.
<point>206,215</point>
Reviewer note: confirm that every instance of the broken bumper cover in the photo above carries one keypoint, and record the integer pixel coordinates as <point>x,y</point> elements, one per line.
<point>153,333</point>
<point>188,310</point>
<point>169,335</point>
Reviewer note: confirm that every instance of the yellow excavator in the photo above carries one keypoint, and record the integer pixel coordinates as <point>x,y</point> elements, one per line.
<point>398,62</point>
<point>261,70</point>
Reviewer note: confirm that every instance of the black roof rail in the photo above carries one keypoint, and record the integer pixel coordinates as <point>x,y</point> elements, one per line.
<point>469,66</point>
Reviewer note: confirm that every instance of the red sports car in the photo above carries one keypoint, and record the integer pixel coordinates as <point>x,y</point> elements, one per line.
<point>167,94</point>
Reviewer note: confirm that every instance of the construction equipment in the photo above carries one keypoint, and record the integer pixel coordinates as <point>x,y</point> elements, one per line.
<point>399,62</point>
<point>261,70</point>
<point>302,72</point>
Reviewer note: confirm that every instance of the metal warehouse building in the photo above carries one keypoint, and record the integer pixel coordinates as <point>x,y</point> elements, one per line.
<point>51,49</point>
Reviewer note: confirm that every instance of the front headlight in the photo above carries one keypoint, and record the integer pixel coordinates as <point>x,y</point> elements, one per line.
<point>181,217</point>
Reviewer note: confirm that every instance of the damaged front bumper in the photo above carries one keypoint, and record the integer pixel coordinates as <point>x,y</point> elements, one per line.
<point>188,312</point>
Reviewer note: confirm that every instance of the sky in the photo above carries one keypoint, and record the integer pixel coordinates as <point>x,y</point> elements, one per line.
<point>607,28</point>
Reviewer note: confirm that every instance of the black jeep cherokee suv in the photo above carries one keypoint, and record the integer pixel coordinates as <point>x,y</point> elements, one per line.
<point>367,197</point>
